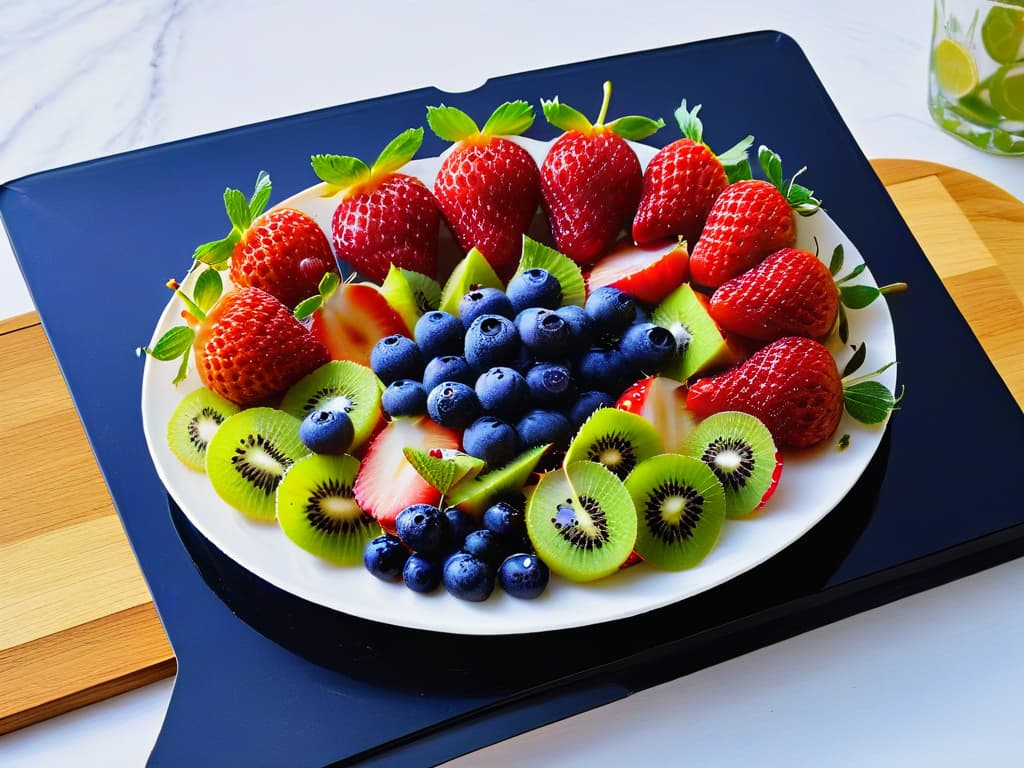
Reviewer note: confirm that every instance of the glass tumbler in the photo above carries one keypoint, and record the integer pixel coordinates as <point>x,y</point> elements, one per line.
<point>976,78</point>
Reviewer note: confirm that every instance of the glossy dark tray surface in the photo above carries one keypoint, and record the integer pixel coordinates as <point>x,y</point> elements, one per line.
<point>97,241</point>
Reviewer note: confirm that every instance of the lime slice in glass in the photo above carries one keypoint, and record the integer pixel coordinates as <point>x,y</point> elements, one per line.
<point>955,69</point>
<point>1007,91</point>
<point>1002,34</point>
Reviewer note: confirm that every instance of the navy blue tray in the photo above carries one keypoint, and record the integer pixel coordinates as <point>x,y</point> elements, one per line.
<point>267,679</point>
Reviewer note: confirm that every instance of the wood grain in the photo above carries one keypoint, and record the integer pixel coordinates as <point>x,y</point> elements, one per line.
<point>76,624</point>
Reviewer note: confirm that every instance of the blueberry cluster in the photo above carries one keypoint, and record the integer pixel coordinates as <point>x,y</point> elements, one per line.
<point>516,369</point>
<point>434,547</point>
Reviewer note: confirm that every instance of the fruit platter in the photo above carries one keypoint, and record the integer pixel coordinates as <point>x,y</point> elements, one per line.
<point>524,385</point>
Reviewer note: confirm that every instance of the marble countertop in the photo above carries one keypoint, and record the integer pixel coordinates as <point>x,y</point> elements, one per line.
<point>932,679</point>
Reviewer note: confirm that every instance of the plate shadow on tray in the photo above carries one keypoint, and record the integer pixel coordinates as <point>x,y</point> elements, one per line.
<point>474,664</point>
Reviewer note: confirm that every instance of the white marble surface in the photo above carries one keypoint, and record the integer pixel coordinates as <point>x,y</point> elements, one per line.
<point>934,679</point>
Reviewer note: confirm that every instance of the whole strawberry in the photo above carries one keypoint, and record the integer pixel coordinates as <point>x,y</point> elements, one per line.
<point>384,217</point>
<point>792,385</point>
<point>790,293</point>
<point>749,219</point>
<point>488,187</point>
<point>283,252</point>
<point>682,181</point>
<point>591,179</point>
<point>249,347</point>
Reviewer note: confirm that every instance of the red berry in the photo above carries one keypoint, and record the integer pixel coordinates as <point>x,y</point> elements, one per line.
<point>354,318</point>
<point>647,273</point>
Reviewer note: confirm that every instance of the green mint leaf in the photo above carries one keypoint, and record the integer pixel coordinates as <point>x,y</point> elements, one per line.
<point>869,402</point>
<point>858,296</point>
<point>565,117</point>
<point>736,153</point>
<point>340,172</point>
<point>238,209</point>
<point>689,124</point>
<point>451,124</point>
<point>771,164</point>
<point>173,344</point>
<point>260,195</point>
<point>218,252</point>
<point>510,119</point>
<point>399,151</point>
<point>208,289</point>
<point>440,473</point>
<point>635,127</point>
<point>307,307</point>
<point>855,272</point>
<point>844,325</point>
<point>739,172</point>
<point>859,353</point>
<point>836,263</point>
<point>564,269</point>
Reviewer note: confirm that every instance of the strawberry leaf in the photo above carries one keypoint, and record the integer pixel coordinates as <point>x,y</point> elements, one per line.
<point>208,289</point>
<point>216,253</point>
<point>836,263</point>
<point>339,171</point>
<point>736,153</point>
<point>869,402</point>
<point>859,353</point>
<point>844,325</point>
<point>328,285</point>
<point>451,124</point>
<point>440,473</point>
<point>739,172</point>
<point>801,199</point>
<point>858,296</point>
<point>635,127</point>
<point>173,344</point>
<point>238,209</point>
<point>565,117</point>
<point>771,164</point>
<point>510,119</point>
<point>307,307</point>
<point>399,151</point>
<point>689,124</point>
<point>260,195</point>
<point>853,274</point>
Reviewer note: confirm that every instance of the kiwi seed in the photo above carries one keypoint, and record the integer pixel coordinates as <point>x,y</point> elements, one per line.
<point>617,439</point>
<point>338,385</point>
<point>197,417</point>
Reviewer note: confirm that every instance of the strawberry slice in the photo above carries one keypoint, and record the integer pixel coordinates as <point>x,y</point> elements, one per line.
<point>648,273</point>
<point>349,318</point>
<point>387,483</point>
<point>662,402</point>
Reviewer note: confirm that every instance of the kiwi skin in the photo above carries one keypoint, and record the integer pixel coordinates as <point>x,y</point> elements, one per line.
<point>194,422</point>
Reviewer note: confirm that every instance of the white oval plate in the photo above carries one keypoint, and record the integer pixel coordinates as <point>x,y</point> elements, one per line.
<point>812,483</point>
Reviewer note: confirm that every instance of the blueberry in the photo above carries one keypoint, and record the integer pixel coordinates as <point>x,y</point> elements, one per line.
<point>484,301</point>
<point>461,525</point>
<point>447,368</point>
<point>396,357</point>
<point>492,440</point>
<point>453,404</point>
<point>509,522</point>
<point>491,340</point>
<point>404,397</point>
<point>422,574</point>
<point>502,391</point>
<point>534,288</point>
<point>603,368</point>
<point>648,348</point>
<point>467,577</point>
<point>487,546</point>
<point>327,431</point>
<point>586,404</point>
<point>610,310</point>
<point>423,528</point>
<point>439,333</point>
<point>524,576</point>
<point>385,557</point>
<point>581,330</point>
<point>549,384</point>
<point>545,333</point>
<point>539,427</point>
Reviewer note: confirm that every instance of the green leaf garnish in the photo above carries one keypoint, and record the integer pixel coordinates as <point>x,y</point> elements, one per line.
<point>771,164</point>
<point>689,124</point>
<point>451,124</point>
<point>238,209</point>
<point>801,199</point>
<point>241,213</point>
<point>635,127</point>
<point>510,119</point>
<point>855,362</point>
<point>858,296</point>
<point>853,274</point>
<point>631,127</point>
<point>260,195</point>
<point>565,117</point>
<point>307,307</point>
<point>216,253</point>
<point>836,263</point>
<point>207,289</point>
<point>339,172</point>
<point>399,151</point>
<point>172,344</point>
<point>736,154</point>
<point>844,325</point>
<point>739,172</point>
<point>564,269</point>
<point>869,402</point>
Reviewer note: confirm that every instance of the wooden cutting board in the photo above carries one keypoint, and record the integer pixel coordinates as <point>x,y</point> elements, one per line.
<point>76,621</point>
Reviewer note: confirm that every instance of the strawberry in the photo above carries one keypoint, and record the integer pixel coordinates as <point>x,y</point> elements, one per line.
<point>249,347</point>
<point>349,318</point>
<point>790,293</point>
<point>749,219</point>
<point>387,483</point>
<point>662,402</point>
<point>591,179</point>
<point>384,217</point>
<point>648,273</point>
<point>488,187</point>
<point>792,385</point>
<point>284,251</point>
<point>682,181</point>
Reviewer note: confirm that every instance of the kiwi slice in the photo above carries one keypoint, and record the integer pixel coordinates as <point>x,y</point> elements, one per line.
<point>680,508</point>
<point>581,520</point>
<point>197,417</point>
<point>410,294</point>
<point>248,456</point>
<point>316,510</point>
<point>340,385</point>
<point>473,270</point>
<point>684,312</point>
<point>617,439</point>
<point>563,269</point>
<point>474,494</point>
<point>740,450</point>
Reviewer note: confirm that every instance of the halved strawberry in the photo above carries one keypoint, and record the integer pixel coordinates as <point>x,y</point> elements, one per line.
<point>349,318</point>
<point>662,402</point>
<point>387,483</point>
<point>649,273</point>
